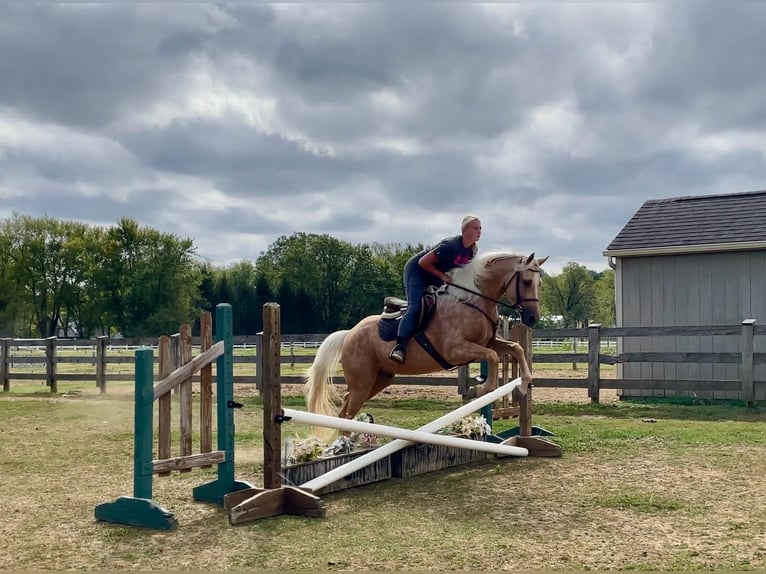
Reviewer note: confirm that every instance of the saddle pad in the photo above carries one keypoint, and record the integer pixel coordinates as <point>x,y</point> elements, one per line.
<point>387,328</point>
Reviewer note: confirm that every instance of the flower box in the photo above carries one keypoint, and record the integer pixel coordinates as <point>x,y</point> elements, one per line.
<point>302,472</point>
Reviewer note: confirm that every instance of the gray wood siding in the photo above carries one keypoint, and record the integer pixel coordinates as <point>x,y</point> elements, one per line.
<point>693,289</point>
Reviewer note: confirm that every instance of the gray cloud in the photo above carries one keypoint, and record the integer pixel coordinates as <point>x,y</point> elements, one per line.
<point>235,124</point>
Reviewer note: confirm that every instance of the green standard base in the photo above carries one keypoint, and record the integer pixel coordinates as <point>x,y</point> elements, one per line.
<point>506,434</point>
<point>213,492</point>
<point>141,512</point>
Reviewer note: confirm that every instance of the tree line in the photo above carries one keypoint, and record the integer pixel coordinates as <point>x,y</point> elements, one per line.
<point>60,277</point>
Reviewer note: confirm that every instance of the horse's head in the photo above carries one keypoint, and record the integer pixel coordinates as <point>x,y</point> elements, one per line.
<point>515,276</point>
<point>525,295</point>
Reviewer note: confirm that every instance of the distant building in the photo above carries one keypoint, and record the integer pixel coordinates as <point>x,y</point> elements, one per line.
<point>697,260</point>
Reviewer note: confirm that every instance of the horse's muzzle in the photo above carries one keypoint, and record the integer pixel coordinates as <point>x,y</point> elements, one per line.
<point>528,318</point>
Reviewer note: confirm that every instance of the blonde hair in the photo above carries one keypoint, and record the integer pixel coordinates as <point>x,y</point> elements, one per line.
<point>467,220</point>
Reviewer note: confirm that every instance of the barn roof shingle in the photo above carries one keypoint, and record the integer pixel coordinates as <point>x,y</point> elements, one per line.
<point>683,222</point>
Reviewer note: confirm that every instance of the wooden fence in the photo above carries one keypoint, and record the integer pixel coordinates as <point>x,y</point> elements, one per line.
<point>102,354</point>
<point>745,357</point>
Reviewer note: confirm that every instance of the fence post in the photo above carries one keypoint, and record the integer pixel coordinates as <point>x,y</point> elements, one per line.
<point>4,374</point>
<point>206,386</point>
<point>462,381</point>
<point>101,363</point>
<point>259,361</point>
<point>746,370</point>
<point>185,391</point>
<point>50,364</point>
<point>271,393</point>
<point>594,364</point>
<point>167,365</point>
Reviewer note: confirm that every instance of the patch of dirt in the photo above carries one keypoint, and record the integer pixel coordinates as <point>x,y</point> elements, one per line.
<point>414,392</point>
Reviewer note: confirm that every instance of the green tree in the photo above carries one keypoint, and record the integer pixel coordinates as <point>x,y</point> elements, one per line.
<point>339,279</point>
<point>569,294</point>
<point>46,264</point>
<point>604,308</point>
<point>152,279</point>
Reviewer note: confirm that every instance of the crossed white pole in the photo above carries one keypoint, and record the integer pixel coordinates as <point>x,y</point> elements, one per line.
<point>405,437</point>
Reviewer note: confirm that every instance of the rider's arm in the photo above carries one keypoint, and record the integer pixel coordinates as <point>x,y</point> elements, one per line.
<point>428,262</point>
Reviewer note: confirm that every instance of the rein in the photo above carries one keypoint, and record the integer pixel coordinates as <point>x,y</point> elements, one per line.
<point>519,300</point>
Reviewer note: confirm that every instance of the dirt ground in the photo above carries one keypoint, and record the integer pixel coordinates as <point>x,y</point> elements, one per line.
<point>559,395</point>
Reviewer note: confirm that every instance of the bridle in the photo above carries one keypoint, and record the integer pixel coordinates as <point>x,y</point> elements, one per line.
<point>518,305</point>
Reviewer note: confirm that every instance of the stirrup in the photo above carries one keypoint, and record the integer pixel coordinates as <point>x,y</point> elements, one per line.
<point>398,354</point>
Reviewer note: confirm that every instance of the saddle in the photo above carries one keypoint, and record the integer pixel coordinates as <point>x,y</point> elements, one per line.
<point>395,307</point>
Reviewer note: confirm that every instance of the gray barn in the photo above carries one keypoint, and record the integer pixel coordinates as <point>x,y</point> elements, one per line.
<point>698,260</point>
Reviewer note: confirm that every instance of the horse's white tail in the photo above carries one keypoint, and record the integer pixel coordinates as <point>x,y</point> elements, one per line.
<point>321,394</point>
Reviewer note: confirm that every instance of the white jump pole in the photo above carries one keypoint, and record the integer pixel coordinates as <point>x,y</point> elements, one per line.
<point>404,434</point>
<point>398,444</point>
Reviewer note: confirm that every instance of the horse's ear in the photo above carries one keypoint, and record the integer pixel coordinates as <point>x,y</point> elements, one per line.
<point>530,258</point>
<point>543,260</point>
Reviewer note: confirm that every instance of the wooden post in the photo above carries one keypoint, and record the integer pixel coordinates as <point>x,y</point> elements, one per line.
<point>272,397</point>
<point>175,340</point>
<point>746,369</point>
<point>462,381</point>
<point>50,364</point>
<point>259,361</point>
<point>594,364</point>
<point>525,340</point>
<point>185,391</point>
<point>4,363</point>
<point>165,401</point>
<point>525,414</point>
<point>206,386</point>
<point>101,363</point>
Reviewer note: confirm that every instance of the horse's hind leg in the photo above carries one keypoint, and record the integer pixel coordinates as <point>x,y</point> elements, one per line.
<point>358,392</point>
<point>382,381</point>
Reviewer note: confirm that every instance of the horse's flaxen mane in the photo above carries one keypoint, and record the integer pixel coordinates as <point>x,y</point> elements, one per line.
<point>487,267</point>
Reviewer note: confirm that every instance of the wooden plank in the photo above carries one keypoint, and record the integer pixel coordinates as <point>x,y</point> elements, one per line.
<point>206,386</point>
<point>172,379</point>
<point>706,329</point>
<point>164,400</point>
<point>301,473</point>
<point>422,458</point>
<point>678,357</point>
<point>272,398</point>
<point>696,385</point>
<point>185,391</point>
<point>186,463</point>
<point>568,333</point>
<point>560,357</point>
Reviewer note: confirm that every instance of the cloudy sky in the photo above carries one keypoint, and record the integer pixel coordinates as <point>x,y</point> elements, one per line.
<point>235,124</point>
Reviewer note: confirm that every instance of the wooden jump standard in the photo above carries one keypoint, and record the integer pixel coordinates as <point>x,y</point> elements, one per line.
<point>140,509</point>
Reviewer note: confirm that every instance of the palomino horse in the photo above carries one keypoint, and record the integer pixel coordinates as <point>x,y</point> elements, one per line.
<point>462,330</point>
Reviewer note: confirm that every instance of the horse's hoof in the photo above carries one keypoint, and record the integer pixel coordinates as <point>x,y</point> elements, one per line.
<point>516,396</point>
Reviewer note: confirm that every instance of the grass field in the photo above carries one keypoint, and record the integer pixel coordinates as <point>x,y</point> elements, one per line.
<point>656,485</point>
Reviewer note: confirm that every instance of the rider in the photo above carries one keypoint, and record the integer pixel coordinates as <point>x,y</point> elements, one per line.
<point>430,268</point>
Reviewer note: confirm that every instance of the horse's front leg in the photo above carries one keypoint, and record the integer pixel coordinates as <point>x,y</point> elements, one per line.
<point>471,352</point>
<point>501,346</point>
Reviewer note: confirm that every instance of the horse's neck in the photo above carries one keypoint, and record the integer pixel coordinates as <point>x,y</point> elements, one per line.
<point>481,298</point>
